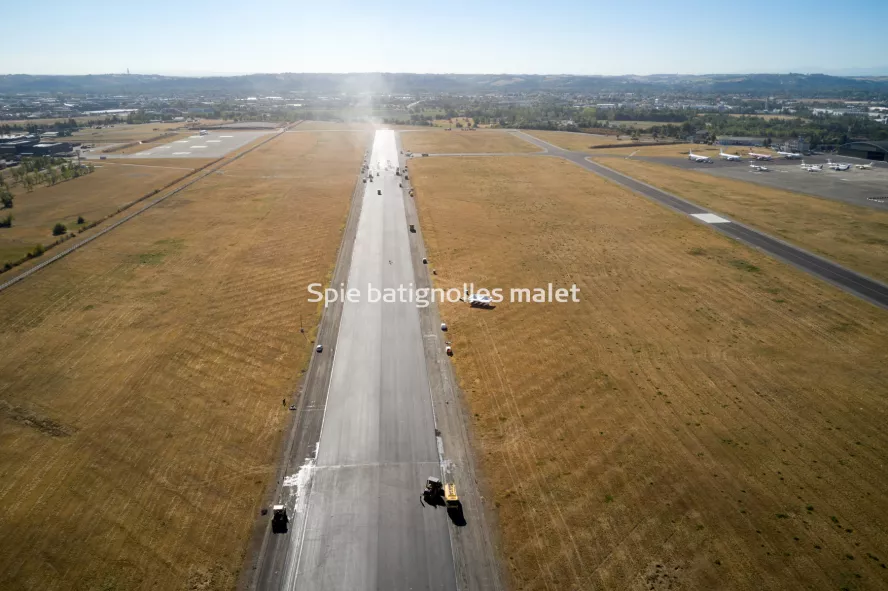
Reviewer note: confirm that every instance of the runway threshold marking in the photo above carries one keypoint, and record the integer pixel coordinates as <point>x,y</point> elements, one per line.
<point>710,218</point>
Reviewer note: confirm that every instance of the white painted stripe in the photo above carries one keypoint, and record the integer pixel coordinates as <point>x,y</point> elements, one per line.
<point>213,141</point>
<point>180,153</point>
<point>226,136</point>
<point>181,142</point>
<point>710,218</point>
<point>195,147</point>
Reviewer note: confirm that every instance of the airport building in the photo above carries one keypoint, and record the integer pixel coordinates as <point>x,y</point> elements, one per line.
<point>50,149</point>
<point>866,150</point>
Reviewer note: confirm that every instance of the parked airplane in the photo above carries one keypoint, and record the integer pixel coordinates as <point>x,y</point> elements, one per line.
<point>767,157</point>
<point>865,166</point>
<point>758,168</point>
<point>730,157</point>
<point>811,167</point>
<point>790,155</point>
<point>699,158</point>
<point>837,165</point>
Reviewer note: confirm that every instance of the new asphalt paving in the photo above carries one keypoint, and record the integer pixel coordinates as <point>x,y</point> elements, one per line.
<point>362,526</point>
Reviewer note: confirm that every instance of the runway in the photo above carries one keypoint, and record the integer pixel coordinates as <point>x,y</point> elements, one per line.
<point>360,525</point>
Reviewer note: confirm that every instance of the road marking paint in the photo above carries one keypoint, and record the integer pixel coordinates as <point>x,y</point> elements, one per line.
<point>213,141</point>
<point>180,153</point>
<point>193,147</point>
<point>710,218</point>
<point>226,136</point>
<point>181,142</point>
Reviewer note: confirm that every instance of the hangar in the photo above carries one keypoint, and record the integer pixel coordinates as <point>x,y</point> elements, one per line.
<point>866,150</point>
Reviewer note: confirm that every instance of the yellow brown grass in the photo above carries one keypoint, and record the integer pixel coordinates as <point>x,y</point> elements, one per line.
<point>853,236</point>
<point>705,415</point>
<point>140,406</point>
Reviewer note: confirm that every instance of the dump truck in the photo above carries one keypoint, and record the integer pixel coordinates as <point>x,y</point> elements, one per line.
<point>279,519</point>
<point>451,501</point>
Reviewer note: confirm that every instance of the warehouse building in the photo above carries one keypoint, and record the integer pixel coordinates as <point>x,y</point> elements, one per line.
<point>866,150</point>
<point>50,149</point>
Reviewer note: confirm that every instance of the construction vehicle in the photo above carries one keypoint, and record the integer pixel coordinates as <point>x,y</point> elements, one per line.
<point>279,519</point>
<point>436,493</point>
<point>413,228</point>
<point>397,172</point>
<point>379,192</point>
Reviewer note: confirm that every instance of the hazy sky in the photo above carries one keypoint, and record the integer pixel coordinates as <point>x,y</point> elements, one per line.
<point>458,36</point>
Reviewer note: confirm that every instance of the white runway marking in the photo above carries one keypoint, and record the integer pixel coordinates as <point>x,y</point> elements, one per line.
<point>193,147</point>
<point>710,218</point>
<point>180,153</point>
<point>163,147</point>
<point>226,136</point>
<point>213,141</point>
<point>181,142</point>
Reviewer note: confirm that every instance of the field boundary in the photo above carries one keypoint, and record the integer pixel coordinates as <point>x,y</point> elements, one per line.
<point>120,222</point>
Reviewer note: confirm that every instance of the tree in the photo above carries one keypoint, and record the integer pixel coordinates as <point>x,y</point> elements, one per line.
<point>59,229</point>
<point>6,222</point>
<point>80,220</point>
<point>6,198</point>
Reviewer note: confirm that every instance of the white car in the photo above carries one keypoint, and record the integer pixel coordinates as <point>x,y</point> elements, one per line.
<point>319,348</point>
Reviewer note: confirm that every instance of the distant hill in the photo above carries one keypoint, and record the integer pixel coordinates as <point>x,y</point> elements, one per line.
<point>785,85</point>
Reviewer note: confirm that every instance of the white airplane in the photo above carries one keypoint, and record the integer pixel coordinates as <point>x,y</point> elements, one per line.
<point>767,157</point>
<point>699,158</point>
<point>840,166</point>
<point>790,155</point>
<point>811,167</point>
<point>729,157</point>
<point>758,168</point>
<point>865,166</point>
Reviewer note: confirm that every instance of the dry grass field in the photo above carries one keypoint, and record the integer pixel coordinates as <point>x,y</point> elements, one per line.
<point>706,417</point>
<point>140,403</point>
<point>578,142</point>
<point>147,145</point>
<point>122,133</point>
<point>92,196</point>
<point>853,236</point>
<point>311,125</point>
<point>466,142</point>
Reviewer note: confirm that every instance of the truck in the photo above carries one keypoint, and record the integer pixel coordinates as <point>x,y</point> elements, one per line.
<point>413,228</point>
<point>438,493</point>
<point>279,519</point>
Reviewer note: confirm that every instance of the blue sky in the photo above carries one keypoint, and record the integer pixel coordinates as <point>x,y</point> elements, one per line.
<point>482,36</point>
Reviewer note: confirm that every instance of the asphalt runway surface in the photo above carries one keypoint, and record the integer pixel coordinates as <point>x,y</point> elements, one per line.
<point>213,145</point>
<point>360,524</point>
<point>850,186</point>
<point>842,277</point>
